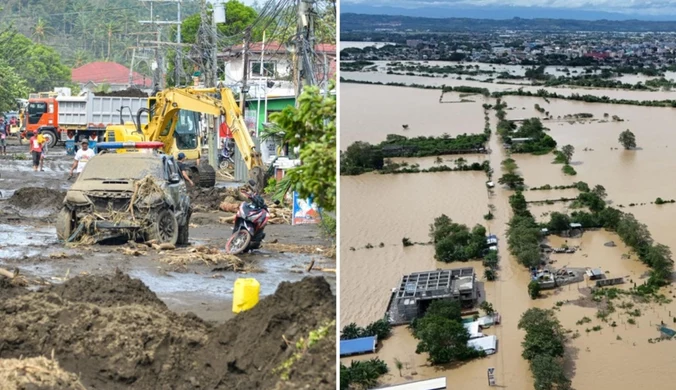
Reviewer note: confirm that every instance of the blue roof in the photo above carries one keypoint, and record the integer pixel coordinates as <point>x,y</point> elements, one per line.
<point>358,346</point>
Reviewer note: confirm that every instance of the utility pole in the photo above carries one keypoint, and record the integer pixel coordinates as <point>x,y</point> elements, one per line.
<point>214,47</point>
<point>158,77</point>
<point>245,71</point>
<point>304,45</point>
<point>178,60</point>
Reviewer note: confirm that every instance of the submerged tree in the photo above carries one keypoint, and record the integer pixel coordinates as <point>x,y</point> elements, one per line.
<point>627,139</point>
<point>567,152</point>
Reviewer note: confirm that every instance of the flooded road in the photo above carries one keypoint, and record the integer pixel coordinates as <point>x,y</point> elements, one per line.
<point>389,207</point>
<point>28,242</point>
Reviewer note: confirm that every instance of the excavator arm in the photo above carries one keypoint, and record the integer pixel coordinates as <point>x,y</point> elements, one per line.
<point>168,103</point>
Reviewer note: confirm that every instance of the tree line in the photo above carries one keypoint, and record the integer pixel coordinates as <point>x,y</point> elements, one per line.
<point>524,234</point>
<point>544,349</point>
<point>362,157</point>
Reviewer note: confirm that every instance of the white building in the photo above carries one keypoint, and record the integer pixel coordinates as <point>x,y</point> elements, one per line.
<point>274,61</point>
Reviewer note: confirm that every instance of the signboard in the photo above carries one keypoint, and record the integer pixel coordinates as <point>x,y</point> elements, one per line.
<point>491,376</point>
<point>304,211</point>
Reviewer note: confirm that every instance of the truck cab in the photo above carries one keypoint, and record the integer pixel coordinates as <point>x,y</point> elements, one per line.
<point>41,116</point>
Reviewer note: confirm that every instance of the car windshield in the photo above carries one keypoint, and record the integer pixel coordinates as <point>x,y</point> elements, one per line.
<point>124,169</point>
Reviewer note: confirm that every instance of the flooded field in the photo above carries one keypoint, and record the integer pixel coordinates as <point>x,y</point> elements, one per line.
<point>418,108</point>
<point>439,81</point>
<point>413,200</point>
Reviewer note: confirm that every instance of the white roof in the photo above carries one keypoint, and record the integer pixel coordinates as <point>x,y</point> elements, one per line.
<point>473,329</point>
<point>487,344</point>
<point>429,384</point>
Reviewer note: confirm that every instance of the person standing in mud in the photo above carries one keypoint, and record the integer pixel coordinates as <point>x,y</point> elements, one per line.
<point>183,168</point>
<point>3,136</point>
<point>36,151</point>
<point>43,145</point>
<point>81,158</point>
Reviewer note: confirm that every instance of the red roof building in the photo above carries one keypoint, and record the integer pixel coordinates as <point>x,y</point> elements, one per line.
<point>108,73</point>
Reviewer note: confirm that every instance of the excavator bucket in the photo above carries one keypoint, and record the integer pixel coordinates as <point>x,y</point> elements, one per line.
<point>257,174</point>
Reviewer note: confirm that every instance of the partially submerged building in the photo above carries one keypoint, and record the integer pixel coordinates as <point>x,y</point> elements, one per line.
<point>358,346</point>
<point>418,290</point>
<point>427,384</point>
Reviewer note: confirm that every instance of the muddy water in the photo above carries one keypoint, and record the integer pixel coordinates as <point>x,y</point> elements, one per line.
<point>439,81</point>
<point>429,162</point>
<point>389,108</point>
<point>402,206</point>
<point>637,176</point>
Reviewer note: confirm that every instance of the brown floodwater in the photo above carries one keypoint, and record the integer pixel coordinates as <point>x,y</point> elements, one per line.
<point>385,208</point>
<point>373,112</point>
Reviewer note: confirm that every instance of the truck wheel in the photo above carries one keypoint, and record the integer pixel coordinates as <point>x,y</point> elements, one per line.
<point>51,137</point>
<point>206,175</point>
<point>163,228</point>
<point>64,224</point>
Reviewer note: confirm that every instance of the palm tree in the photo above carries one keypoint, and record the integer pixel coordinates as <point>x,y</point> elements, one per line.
<point>81,58</point>
<point>399,365</point>
<point>41,30</point>
<point>109,29</point>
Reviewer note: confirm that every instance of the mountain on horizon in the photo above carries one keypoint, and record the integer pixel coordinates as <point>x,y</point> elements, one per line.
<point>504,12</point>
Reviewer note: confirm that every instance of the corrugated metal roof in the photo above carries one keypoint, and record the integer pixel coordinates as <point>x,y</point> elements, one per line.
<point>358,346</point>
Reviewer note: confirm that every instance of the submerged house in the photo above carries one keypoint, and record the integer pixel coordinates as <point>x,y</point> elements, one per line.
<point>416,291</point>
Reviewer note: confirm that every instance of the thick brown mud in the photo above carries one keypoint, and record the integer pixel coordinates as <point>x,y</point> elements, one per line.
<point>116,334</point>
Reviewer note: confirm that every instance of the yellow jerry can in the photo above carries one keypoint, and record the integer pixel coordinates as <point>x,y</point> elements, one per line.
<point>246,294</point>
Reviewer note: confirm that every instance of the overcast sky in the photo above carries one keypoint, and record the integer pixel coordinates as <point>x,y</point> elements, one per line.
<point>638,7</point>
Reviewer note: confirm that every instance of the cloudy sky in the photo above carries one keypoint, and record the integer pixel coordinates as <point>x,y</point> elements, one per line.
<point>637,7</point>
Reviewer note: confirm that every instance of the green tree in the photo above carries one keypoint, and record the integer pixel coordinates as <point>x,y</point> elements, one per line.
<point>548,373</point>
<point>39,65</point>
<point>453,241</point>
<point>509,165</point>
<point>544,334</point>
<point>12,87</point>
<point>567,151</point>
<point>350,331</point>
<point>659,258</point>
<point>460,162</point>
<point>534,289</point>
<point>627,139</point>
<point>511,180</point>
<point>41,30</point>
<point>360,157</point>
<point>399,365</point>
<point>558,222</point>
<point>487,307</point>
<point>362,373</point>
<point>239,17</point>
<point>312,127</point>
<point>600,191</point>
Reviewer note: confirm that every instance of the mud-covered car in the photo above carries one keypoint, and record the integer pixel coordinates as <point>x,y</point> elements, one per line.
<point>140,195</point>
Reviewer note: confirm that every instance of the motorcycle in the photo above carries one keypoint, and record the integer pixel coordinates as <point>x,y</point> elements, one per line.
<point>248,231</point>
<point>225,160</point>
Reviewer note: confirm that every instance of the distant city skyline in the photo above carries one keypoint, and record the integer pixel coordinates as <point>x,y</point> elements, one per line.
<point>507,9</point>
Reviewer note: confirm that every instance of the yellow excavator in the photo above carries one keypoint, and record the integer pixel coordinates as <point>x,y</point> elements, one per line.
<point>174,120</point>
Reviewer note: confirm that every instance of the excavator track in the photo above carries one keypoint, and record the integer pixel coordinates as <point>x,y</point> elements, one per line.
<point>205,175</point>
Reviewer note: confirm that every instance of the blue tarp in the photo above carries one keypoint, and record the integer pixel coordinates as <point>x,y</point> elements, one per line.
<point>667,331</point>
<point>358,346</point>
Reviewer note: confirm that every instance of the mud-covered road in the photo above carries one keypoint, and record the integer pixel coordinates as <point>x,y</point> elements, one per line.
<point>28,243</point>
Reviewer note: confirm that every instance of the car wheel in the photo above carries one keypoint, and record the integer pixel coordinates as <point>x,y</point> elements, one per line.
<point>163,228</point>
<point>64,224</point>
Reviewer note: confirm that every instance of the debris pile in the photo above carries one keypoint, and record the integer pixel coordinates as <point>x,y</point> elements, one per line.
<point>36,373</point>
<point>116,334</point>
<point>129,92</point>
<point>37,198</point>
